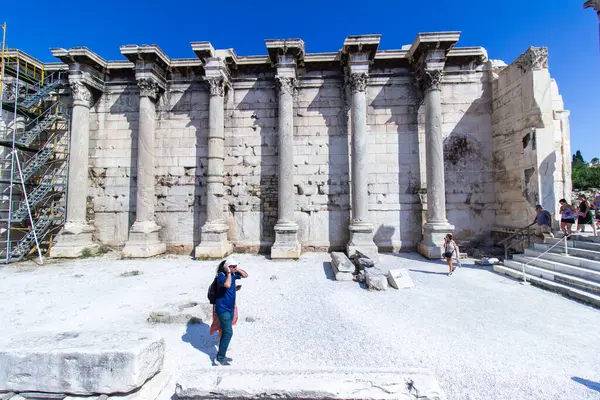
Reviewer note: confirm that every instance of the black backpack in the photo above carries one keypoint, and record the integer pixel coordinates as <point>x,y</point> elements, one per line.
<point>212,292</point>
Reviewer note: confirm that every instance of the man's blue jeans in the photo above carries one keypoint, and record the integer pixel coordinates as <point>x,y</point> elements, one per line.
<point>225,319</point>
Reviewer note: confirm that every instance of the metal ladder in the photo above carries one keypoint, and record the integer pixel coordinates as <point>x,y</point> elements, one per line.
<point>40,124</point>
<point>42,92</point>
<point>27,242</point>
<point>41,192</point>
<point>40,159</point>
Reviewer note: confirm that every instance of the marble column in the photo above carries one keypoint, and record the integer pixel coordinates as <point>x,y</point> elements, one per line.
<point>77,232</point>
<point>286,230</point>
<point>437,226</point>
<point>214,243</point>
<point>143,235</point>
<point>361,229</point>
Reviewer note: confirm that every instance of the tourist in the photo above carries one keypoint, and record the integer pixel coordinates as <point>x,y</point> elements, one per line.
<point>225,305</point>
<point>567,217</point>
<point>597,205</point>
<point>543,219</point>
<point>585,215</point>
<point>450,250</point>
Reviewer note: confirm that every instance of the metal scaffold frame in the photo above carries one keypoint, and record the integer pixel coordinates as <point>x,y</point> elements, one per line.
<point>34,171</point>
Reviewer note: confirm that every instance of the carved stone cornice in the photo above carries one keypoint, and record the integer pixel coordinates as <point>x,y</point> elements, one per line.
<point>285,84</point>
<point>217,86</point>
<point>535,58</point>
<point>358,81</point>
<point>594,4</point>
<point>82,95</point>
<point>430,79</point>
<point>148,88</point>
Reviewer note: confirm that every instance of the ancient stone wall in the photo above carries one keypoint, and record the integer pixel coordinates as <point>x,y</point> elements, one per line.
<point>531,140</point>
<point>468,150</point>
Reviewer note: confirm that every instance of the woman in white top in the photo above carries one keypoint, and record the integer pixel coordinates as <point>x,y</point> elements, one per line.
<point>450,251</point>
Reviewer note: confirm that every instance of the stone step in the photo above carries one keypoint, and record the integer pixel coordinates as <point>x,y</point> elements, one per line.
<point>587,238</point>
<point>547,273</point>
<point>558,287</point>
<point>338,383</point>
<point>559,263</point>
<point>573,251</point>
<point>577,244</point>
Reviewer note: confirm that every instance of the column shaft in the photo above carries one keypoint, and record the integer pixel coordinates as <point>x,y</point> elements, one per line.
<point>216,151</point>
<point>286,204</point>
<point>360,194</point>
<point>78,163</point>
<point>436,187</point>
<point>145,161</point>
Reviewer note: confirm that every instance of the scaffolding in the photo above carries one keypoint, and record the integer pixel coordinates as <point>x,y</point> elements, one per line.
<point>34,138</point>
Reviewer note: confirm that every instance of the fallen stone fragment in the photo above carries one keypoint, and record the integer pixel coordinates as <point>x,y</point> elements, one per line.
<point>487,261</point>
<point>81,363</point>
<point>400,279</point>
<point>309,384</point>
<point>342,267</point>
<point>131,273</point>
<point>250,319</point>
<point>375,279</point>
<point>274,278</point>
<point>181,313</point>
<point>341,262</point>
<point>362,261</point>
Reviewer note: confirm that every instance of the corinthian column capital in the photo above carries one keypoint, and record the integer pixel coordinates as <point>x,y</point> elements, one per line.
<point>82,95</point>
<point>358,81</point>
<point>285,84</point>
<point>148,88</point>
<point>430,79</point>
<point>217,85</point>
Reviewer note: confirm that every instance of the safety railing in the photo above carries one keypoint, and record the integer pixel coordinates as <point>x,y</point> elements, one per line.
<point>523,231</point>
<point>563,239</point>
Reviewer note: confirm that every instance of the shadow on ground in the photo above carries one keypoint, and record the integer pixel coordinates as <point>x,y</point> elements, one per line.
<point>587,383</point>
<point>198,335</point>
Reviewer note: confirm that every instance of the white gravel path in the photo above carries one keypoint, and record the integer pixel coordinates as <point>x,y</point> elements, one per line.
<point>484,335</point>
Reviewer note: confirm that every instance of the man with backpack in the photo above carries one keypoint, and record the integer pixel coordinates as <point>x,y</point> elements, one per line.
<point>222,294</point>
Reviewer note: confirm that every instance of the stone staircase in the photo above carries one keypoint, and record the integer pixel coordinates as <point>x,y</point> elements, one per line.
<point>576,274</point>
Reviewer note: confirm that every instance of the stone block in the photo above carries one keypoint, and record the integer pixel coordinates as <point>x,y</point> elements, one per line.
<point>81,363</point>
<point>375,279</point>
<point>309,384</point>
<point>342,267</point>
<point>400,279</point>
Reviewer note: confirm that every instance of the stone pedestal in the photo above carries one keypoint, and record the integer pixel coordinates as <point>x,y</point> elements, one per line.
<point>286,230</point>
<point>77,232</point>
<point>214,243</point>
<point>432,245</point>
<point>143,240</point>
<point>361,239</point>
<point>286,241</point>
<point>143,235</point>
<point>74,238</point>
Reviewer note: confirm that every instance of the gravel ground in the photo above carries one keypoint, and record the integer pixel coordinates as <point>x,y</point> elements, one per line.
<point>484,336</point>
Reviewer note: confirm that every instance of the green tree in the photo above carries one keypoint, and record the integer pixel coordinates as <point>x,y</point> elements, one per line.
<point>583,176</point>
<point>578,160</point>
<point>595,161</point>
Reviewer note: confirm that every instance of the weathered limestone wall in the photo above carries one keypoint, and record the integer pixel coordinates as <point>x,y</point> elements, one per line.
<point>468,150</point>
<point>394,161</point>
<point>531,140</point>
<point>505,133</point>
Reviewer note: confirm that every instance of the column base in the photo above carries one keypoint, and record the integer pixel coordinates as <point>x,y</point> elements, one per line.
<point>143,240</point>
<point>286,244</point>
<point>73,240</point>
<point>214,242</point>
<point>432,245</point>
<point>361,239</point>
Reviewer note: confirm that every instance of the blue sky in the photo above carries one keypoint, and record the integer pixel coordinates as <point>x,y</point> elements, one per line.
<point>505,29</point>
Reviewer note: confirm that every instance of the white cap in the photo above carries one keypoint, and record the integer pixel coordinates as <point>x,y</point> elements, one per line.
<point>231,262</point>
